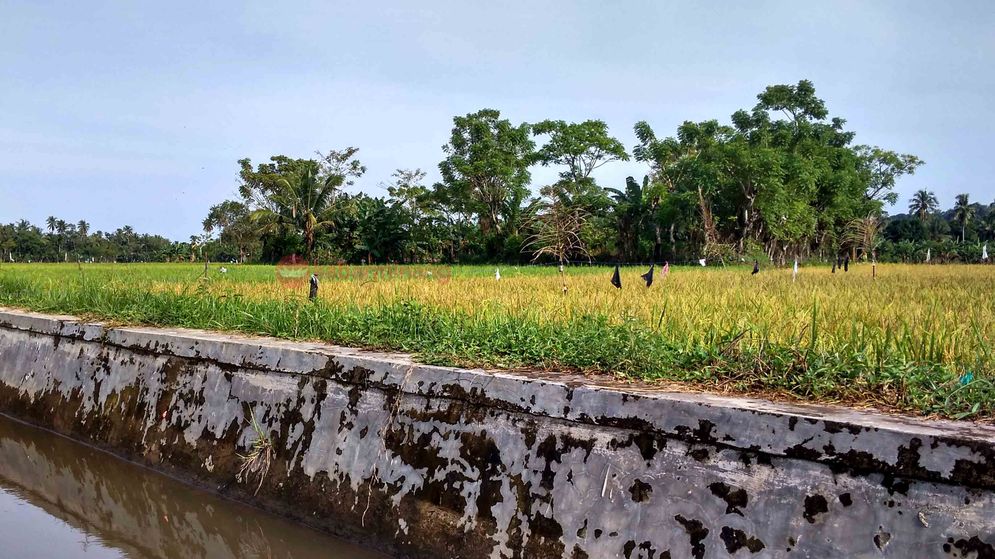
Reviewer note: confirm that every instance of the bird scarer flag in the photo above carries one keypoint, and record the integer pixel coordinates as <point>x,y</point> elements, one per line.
<point>648,276</point>
<point>617,278</point>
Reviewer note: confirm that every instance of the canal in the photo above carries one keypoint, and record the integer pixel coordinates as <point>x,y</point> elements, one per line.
<point>60,498</point>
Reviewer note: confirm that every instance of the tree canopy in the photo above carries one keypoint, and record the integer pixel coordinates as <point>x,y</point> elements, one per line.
<point>780,180</point>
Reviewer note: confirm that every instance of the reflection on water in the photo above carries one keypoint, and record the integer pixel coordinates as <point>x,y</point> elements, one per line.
<point>61,499</point>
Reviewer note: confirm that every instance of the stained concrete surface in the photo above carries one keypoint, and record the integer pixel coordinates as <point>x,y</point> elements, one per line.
<point>445,462</point>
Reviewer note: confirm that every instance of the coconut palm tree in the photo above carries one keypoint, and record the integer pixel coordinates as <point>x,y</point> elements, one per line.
<point>923,203</point>
<point>83,236</point>
<point>865,235</point>
<point>963,213</point>
<point>631,212</point>
<point>300,201</point>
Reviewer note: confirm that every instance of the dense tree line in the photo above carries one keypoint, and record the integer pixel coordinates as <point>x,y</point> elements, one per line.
<point>779,181</point>
<point>60,241</point>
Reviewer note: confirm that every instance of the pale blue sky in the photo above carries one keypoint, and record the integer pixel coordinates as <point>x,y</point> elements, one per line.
<point>136,113</point>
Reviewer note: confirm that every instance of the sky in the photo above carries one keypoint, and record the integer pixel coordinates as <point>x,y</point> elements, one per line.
<point>136,113</point>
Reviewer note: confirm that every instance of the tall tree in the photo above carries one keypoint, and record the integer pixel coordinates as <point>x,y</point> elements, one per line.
<point>923,203</point>
<point>233,220</point>
<point>963,213</point>
<point>297,195</point>
<point>486,165</point>
<point>783,176</point>
<point>382,229</point>
<point>339,167</point>
<point>883,168</point>
<point>631,213</point>
<point>582,147</point>
<point>407,188</point>
<point>689,165</point>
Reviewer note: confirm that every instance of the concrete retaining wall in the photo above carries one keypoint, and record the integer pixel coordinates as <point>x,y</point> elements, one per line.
<point>132,510</point>
<point>444,462</point>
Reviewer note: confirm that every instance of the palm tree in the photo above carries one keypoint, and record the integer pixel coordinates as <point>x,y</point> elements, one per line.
<point>300,201</point>
<point>923,203</point>
<point>988,226</point>
<point>82,237</point>
<point>630,212</point>
<point>52,222</point>
<point>963,213</point>
<point>865,234</point>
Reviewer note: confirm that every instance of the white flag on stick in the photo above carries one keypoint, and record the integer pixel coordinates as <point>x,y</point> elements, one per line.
<point>701,261</point>
<point>984,252</point>
<point>929,254</point>
<point>497,273</point>
<point>794,271</point>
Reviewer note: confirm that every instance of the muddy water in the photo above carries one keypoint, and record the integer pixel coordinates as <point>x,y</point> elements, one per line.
<point>60,499</point>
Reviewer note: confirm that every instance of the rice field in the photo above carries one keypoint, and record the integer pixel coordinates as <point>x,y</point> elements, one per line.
<point>916,339</point>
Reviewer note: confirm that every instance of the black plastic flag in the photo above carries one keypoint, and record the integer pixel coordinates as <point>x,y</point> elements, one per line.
<point>313,291</point>
<point>648,276</point>
<point>617,278</point>
<point>846,264</point>
<point>756,268</point>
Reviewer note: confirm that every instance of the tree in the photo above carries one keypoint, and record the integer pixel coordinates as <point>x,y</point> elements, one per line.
<point>298,201</point>
<point>689,165</point>
<point>783,176</point>
<point>581,147</point>
<point>340,167</point>
<point>237,229</point>
<point>382,230</point>
<point>82,241</point>
<point>486,165</point>
<point>407,188</point>
<point>864,234</point>
<point>883,168</point>
<point>630,212</point>
<point>923,203</point>
<point>297,195</point>
<point>906,230</point>
<point>963,213</point>
<point>988,226</point>
<point>798,102</point>
<point>807,178</point>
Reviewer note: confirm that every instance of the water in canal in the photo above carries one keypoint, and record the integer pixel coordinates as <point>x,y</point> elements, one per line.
<point>61,499</point>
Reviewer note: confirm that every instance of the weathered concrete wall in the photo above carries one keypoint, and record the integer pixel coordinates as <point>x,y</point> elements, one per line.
<point>141,514</point>
<point>443,462</point>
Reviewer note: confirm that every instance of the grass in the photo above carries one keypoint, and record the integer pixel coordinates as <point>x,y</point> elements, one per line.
<point>257,461</point>
<point>917,339</point>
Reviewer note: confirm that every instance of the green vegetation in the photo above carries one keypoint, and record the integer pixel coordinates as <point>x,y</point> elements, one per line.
<point>782,180</point>
<point>915,339</point>
<point>779,183</point>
